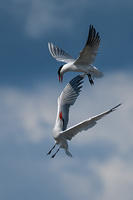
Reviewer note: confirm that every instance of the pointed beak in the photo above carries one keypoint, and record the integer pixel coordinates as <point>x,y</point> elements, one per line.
<point>60,78</point>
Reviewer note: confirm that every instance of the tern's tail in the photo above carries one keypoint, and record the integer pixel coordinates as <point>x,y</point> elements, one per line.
<point>95,72</point>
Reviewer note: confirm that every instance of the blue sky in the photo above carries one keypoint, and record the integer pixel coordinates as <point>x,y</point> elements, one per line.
<point>102,162</point>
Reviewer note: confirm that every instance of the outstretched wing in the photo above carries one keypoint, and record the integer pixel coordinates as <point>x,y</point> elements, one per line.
<point>68,97</point>
<point>89,52</point>
<point>59,54</point>
<point>85,125</point>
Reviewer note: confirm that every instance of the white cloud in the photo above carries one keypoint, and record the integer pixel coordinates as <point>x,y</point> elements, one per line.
<point>45,16</point>
<point>41,17</point>
<point>31,116</point>
<point>117,178</point>
<point>110,179</point>
<point>26,113</point>
<point>35,112</point>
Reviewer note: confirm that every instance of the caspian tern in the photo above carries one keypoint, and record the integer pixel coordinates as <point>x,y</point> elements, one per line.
<point>67,98</point>
<point>84,62</point>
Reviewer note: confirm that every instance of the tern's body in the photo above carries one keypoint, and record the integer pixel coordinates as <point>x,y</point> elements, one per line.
<point>84,62</point>
<point>87,69</point>
<point>67,98</point>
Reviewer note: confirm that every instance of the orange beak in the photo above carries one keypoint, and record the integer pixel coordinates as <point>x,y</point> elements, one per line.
<point>60,78</point>
<point>60,115</point>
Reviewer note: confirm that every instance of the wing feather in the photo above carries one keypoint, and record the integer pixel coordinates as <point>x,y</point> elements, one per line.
<point>89,52</point>
<point>85,125</point>
<point>69,96</point>
<point>59,54</point>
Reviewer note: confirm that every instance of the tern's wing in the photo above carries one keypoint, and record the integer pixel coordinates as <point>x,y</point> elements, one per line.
<point>88,54</point>
<point>68,97</point>
<point>89,123</point>
<point>59,54</point>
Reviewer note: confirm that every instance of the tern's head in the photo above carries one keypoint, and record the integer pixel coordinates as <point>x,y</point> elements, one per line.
<point>60,73</point>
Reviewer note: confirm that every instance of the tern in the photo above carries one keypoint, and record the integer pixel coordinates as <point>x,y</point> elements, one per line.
<point>84,62</point>
<point>67,98</point>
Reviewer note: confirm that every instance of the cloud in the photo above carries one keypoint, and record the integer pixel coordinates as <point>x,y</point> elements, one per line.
<point>42,17</point>
<point>109,179</point>
<point>117,178</point>
<point>26,113</point>
<point>34,112</point>
<point>102,163</point>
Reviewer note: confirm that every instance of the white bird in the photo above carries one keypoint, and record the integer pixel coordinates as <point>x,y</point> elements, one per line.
<point>84,62</point>
<point>67,98</point>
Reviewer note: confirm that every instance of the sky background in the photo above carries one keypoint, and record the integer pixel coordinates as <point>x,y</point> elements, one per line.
<point>102,163</point>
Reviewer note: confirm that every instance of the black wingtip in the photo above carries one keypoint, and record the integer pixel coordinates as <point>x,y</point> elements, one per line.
<point>93,36</point>
<point>78,78</point>
<point>114,108</point>
<point>77,83</point>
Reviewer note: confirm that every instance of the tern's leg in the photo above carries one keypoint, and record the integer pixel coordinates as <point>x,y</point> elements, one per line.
<point>90,79</point>
<point>68,153</point>
<point>51,150</point>
<point>55,153</point>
